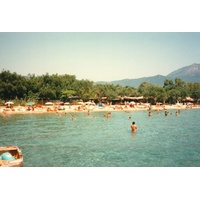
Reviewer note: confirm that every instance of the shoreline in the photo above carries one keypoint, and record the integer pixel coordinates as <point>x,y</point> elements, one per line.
<point>75,109</point>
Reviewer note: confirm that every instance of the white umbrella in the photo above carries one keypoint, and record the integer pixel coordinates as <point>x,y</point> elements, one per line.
<point>9,102</point>
<point>49,103</point>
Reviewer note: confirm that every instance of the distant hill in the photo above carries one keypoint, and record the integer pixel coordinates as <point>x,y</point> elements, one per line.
<point>191,70</point>
<point>189,73</point>
<point>157,80</point>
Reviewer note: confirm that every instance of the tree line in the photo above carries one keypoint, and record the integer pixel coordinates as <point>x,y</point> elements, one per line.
<point>16,87</point>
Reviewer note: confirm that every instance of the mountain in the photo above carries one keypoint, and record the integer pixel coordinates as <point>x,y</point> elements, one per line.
<point>191,70</point>
<point>157,80</point>
<point>189,73</point>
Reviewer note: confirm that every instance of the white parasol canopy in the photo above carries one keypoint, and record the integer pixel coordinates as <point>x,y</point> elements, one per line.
<point>9,103</point>
<point>48,103</point>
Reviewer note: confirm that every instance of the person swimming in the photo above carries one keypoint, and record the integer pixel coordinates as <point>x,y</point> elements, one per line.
<point>108,115</point>
<point>150,114</point>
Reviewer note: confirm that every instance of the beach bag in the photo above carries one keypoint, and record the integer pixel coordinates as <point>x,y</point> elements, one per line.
<point>7,156</point>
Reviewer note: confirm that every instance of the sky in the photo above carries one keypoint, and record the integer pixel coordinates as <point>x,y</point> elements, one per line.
<point>98,56</point>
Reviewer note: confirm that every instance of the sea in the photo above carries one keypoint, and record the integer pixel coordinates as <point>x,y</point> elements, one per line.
<point>51,140</point>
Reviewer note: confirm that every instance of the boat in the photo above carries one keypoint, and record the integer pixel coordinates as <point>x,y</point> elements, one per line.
<point>11,156</point>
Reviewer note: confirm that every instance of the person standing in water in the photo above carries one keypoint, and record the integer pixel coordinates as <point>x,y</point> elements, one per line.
<point>133,127</point>
<point>73,117</point>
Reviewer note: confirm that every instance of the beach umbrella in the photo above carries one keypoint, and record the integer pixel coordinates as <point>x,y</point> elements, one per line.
<point>48,103</point>
<point>9,103</point>
<point>60,103</point>
<point>30,103</point>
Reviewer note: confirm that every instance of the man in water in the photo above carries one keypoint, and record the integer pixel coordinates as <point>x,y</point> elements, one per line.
<point>133,127</point>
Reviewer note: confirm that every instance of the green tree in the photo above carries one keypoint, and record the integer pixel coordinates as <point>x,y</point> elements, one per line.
<point>65,94</point>
<point>12,85</point>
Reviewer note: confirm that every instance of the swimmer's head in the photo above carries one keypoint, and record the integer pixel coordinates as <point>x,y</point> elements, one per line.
<point>133,122</point>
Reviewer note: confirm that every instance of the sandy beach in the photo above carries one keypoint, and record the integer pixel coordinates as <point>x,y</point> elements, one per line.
<point>77,108</point>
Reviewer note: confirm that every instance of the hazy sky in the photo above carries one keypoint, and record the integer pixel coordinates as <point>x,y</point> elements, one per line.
<point>101,56</point>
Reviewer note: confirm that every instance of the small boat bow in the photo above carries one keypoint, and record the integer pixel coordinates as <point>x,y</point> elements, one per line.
<point>11,156</point>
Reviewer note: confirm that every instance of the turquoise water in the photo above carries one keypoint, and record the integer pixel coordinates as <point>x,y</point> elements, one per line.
<point>49,140</point>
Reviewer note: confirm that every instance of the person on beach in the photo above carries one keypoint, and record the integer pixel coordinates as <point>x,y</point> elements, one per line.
<point>4,112</point>
<point>133,127</point>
